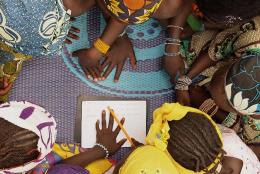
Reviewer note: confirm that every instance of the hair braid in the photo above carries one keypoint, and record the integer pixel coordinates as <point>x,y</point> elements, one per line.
<point>194,142</point>
<point>18,146</point>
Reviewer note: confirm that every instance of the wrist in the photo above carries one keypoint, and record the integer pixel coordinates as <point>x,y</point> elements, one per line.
<point>102,150</point>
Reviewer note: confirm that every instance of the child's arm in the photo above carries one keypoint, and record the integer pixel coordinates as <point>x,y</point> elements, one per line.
<point>200,64</point>
<point>89,58</point>
<point>106,136</point>
<point>174,63</point>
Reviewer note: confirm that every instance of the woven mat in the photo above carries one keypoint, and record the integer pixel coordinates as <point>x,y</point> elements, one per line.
<point>56,82</point>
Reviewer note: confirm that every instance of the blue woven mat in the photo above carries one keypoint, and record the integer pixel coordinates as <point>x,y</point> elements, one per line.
<point>56,82</point>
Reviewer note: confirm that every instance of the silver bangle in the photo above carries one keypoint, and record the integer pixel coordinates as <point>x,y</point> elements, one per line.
<point>171,43</point>
<point>183,83</point>
<point>172,54</point>
<point>173,40</point>
<point>104,148</point>
<point>175,26</point>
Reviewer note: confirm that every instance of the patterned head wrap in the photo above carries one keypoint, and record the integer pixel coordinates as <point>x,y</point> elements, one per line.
<point>34,27</point>
<point>36,119</point>
<point>242,85</point>
<point>132,11</point>
<point>154,158</point>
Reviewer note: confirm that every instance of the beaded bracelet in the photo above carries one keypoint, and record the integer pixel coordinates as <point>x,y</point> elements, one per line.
<point>101,46</point>
<point>183,83</point>
<point>175,26</point>
<point>207,105</point>
<point>104,148</point>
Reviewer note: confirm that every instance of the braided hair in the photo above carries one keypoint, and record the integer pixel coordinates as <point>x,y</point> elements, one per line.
<point>194,142</point>
<point>17,146</point>
<point>228,10</point>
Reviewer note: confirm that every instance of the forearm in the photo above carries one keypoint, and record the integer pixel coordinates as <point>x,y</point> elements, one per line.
<point>179,20</point>
<point>113,29</point>
<point>85,158</point>
<point>200,64</point>
<point>176,25</point>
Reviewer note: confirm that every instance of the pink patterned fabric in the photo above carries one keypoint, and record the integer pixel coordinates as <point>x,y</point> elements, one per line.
<point>235,147</point>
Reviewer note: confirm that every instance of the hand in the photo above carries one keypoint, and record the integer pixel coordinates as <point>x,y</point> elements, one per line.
<point>117,56</point>
<point>136,143</point>
<point>173,66</point>
<point>5,86</point>
<point>106,136</point>
<point>71,34</point>
<point>89,62</point>
<point>183,97</point>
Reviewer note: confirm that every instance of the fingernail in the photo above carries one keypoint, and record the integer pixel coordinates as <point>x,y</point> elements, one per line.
<point>88,76</point>
<point>115,81</point>
<point>95,80</point>
<point>103,78</point>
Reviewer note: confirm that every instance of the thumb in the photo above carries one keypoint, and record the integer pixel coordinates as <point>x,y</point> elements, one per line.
<point>132,59</point>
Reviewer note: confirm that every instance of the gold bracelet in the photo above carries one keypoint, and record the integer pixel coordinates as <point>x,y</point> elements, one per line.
<point>101,46</point>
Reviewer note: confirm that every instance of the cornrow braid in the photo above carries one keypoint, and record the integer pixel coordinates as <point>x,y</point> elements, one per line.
<point>194,142</point>
<point>17,146</point>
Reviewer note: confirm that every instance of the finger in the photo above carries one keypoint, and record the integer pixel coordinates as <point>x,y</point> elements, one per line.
<point>111,122</point>
<point>74,29</point>
<point>92,74</point>
<point>121,143</point>
<point>97,72</point>
<point>136,143</point>
<point>104,122</point>
<point>97,126</point>
<point>73,36</point>
<point>67,41</point>
<point>132,59</point>
<point>118,72</point>
<point>6,89</point>
<point>118,129</point>
<point>86,72</point>
<point>105,63</point>
<point>108,70</point>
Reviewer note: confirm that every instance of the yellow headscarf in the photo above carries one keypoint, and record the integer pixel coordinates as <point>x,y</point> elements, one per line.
<point>148,160</point>
<point>154,157</point>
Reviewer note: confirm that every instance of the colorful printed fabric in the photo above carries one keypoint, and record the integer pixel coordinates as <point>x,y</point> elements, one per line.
<point>247,127</point>
<point>234,147</point>
<point>36,119</point>
<point>64,151</point>
<point>36,28</point>
<point>132,11</point>
<point>243,85</point>
<point>228,43</point>
<point>10,65</point>
<point>249,130</point>
<point>67,169</point>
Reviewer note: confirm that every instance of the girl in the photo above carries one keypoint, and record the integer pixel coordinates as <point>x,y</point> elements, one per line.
<point>122,13</point>
<point>190,143</point>
<point>30,28</point>
<point>232,98</point>
<point>28,134</point>
<point>226,27</point>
